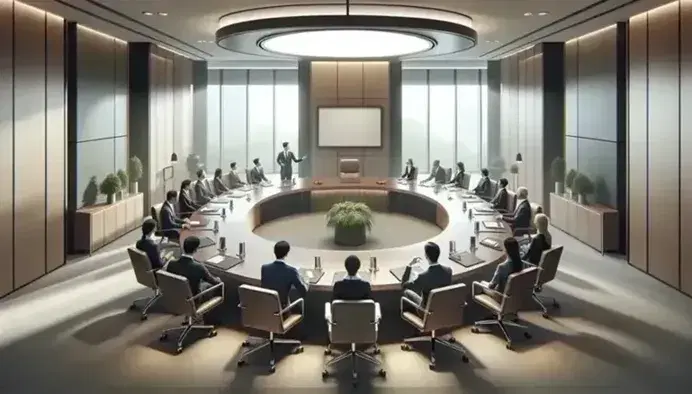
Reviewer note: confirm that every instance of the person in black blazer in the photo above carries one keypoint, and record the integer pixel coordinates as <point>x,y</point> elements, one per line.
<point>352,287</point>
<point>196,273</point>
<point>147,244</point>
<point>219,187</point>
<point>171,224</point>
<point>483,187</point>
<point>540,242</point>
<point>186,205</point>
<point>521,217</point>
<point>437,173</point>
<point>501,199</point>
<point>411,172</point>
<point>285,160</point>
<point>203,192</point>
<point>257,173</point>
<point>434,277</point>
<point>458,180</point>
<point>280,276</point>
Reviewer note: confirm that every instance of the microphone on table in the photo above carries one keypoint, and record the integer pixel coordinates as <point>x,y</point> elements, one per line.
<point>318,263</point>
<point>241,250</point>
<point>216,226</point>
<point>222,244</point>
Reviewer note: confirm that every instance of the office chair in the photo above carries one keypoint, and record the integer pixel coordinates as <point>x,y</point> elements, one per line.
<point>505,306</point>
<point>349,170</point>
<point>521,231</point>
<point>448,175</point>
<point>511,203</point>
<point>145,276</point>
<point>445,309</point>
<point>180,301</point>
<point>550,259</point>
<point>260,309</point>
<point>466,182</point>
<point>352,323</point>
<point>164,241</point>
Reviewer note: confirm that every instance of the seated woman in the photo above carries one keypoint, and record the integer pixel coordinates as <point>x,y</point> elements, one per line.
<point>458,180</point>
<point>540,242</point>
<point>512,265</point>
<point>218,185</point>
<point>186,205</point>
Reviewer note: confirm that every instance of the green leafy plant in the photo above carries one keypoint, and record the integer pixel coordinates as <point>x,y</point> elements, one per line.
<point>569,178</point>
<point>124,180</point>
<point>514,169</point>
<point>110,185</point>
<point>582,185</point>
<point>91,192</point>
<point>349,214</point>
<point>192,163</point>
<point>135,169</point>
<point>497,168</point>
<point>557,169</point>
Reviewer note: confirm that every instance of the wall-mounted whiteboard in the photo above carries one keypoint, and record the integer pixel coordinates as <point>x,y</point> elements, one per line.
<point>357,127</point>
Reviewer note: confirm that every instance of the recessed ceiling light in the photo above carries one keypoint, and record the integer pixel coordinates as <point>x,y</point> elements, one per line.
<point>162,13</point>
<point>528,13</point>
<point>542,13</point>
<point>147,13</point>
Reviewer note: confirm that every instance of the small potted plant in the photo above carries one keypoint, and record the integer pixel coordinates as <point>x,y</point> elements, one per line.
<point>124,181</point>
<point>193,164</point>
<point>497,168</point>
<point>582,187</point>
<point>557,171</point>
<point>91,192</point>
<point>351,221</point>
<point>569,182</point>
<point>110,186</point>
<point>135,169</point>
<point>514,170</point>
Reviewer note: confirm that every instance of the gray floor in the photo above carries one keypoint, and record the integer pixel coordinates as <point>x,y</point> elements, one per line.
<point>618,331</point>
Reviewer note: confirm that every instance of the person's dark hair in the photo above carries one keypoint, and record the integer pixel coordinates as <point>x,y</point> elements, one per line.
<point>409,161</point>
<point>255,161</point>
<point>504,182</point>
<point>461,167</point>
<point>432,251</point>
<point>148,227</point>
<point>352,265</point>
<point>200,173</point>
<point>281,249</point>
<point>185,184</point>
<point>190,245</point>
<point>218,173</point>
<point>171,195</point>
<point>285,144</point>
<point>514,254</point>
<point>233,164</point>
<point>485,172</point>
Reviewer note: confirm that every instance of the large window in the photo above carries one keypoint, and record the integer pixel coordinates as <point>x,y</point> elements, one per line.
<point>250,113</point>
<point>444,117</point>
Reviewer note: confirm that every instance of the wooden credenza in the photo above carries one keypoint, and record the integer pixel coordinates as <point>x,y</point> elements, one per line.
<point>98,225</point>
<point>596,225</point>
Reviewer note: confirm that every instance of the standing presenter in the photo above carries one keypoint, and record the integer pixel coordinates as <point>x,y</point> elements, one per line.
<point>285,160</point>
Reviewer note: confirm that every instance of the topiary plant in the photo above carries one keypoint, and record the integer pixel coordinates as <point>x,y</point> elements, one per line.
<point>582,185</point>
<point>514,169</point>
<point>497,168</point>
<point>135,169</point>
<point>569,178</point>
<point>124,179</point>
<point>557,170</point>
<point>110,186</point>
<point>351,221</point>
<point>91,192</point>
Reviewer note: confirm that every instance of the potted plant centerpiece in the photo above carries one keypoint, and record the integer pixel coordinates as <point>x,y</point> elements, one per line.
<point>124,181</point>
<point>351,221</point>
<point>110,186</point>
<point>135,169</point>
<point>569,182</point>
<point>557,171</point>
<point>583,187</point>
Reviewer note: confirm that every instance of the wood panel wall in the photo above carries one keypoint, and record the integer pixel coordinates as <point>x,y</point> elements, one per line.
<point>32,143</point>
<point>350,84</point>
<point>660,171</point>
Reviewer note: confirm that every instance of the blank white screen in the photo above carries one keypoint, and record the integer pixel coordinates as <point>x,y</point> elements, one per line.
<point>353,127</point>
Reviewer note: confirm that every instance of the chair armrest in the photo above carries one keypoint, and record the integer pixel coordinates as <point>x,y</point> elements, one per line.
<point>484,289</point>
<point>328,312</point>
<point>405,300</point>
<point>290,306</point>
<point>209,290</point>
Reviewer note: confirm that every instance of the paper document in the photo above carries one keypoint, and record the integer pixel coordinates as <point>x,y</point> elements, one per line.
<point>194,223</point>
<point>216,259</point>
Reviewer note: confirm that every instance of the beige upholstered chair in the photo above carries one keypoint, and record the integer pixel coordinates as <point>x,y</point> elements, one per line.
<point>445,310</point>
<point>145,276</point>
<point>180,301</point>
<point>260,309</point>
<point>506,306</point>
<point>349,170</point>
<point>550,259</point>
<point>352,323</point>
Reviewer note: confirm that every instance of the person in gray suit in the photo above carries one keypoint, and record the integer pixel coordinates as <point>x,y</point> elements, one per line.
<point>520,219</point>
<point>437,173</point>
<point>203,193</point>
<point>257,173</point>
<point>234,180</point>
<point>285,160</point>
<point>434,277</point>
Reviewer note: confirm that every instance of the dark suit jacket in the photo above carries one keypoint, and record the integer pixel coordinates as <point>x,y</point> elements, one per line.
<point>483,187</point>
<point>434,277</point>
<point>501,200</point>
<point>185,204</point>
<point>257,176</point>
<point>282,277</point>
<point>202,192</point>
<point>440,176</point>
<point>149,247</point>
<point>538,245</point>
<point>169,219</point>
<point>410,173</point>
<point>351,289</point>
<point>219,187</point>
<point>194,271</point>
<point>522,215</point>
<point>234,180</point>
<point>458,179</point>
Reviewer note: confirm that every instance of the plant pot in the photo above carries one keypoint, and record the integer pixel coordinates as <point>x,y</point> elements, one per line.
<point>110,198</point>
<point>581,199</point>
<point>559,188</point>
<point>350,236</point>
<point>134,187</point>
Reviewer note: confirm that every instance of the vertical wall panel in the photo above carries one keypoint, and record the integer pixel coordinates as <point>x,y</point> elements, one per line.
<point>6,153</point>
<point>55,144</point>
<point>664,164</point>
<point>29,144</point>
<point>349,80</point>
<point>521,118</point>
<point>572,88</point>
<point>686,147</point>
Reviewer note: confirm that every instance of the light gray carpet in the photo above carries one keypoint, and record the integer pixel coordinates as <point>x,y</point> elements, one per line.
<point>389,230</point>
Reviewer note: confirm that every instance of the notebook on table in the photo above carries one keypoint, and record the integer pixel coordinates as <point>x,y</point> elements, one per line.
<point>494,225</point>
<point>465,258</point>
<point>310,275</point>
<point>485,211</point>
<point>342,274</point>
<point>492,243</point>
<point>205,242</point>
<point>220,201</point>
<point>416,269</point>
<point>246,188</point>
<point>223,262</point>
<point>209,211</point>
<point>198,223</point>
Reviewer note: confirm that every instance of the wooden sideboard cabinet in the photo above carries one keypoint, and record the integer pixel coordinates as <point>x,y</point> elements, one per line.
<point>596,225</point>
<point>98,225</point>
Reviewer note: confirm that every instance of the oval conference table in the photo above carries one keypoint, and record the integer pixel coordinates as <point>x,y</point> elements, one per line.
<point>443,207</point>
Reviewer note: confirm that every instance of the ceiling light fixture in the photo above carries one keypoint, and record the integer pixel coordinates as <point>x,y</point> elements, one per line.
<point>528,13</point>
<point>542,13</point>
<point>346,31</point>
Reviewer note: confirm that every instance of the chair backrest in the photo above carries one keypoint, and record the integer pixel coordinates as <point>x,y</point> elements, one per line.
<point>492,190</point>
<point>155,213</point>
<point>142,267</point>
<point>466,182</point>
<point>259,308</point>
<point>248,178</point>
<point>349,169</point>
<point>353,322</point>
<point>511,200</point>
<point>176,293</point>
<point>448,175</point>
<point>193,191</point>
<point>519,290</point>
<point>550,259</point>
<point>446,307</point>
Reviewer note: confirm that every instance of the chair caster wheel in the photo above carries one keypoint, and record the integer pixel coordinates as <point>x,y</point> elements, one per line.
<point>246,344</point>
<point>556,305</point>
<point>212,334</point>
<point>464,359</point>
<point>143,317</point>
<point>452,340</point>
<point>163,337</point>
<point>509,346</point>
<point>132,307</point>
<point>545,315</point>
<point>475,330</point>
<point>431,366</point>
<point>382,373</point>
<point>272,369</point>
<point>405,347</point>
<point>184,323</point>
<point>376,350</point>
<point>241,363</point>
<point>527,335</point>
<point>298,350</point>
<point>178,350</point>
<point>327,351</point>
<point>325,374</point>
<point>516,320</point>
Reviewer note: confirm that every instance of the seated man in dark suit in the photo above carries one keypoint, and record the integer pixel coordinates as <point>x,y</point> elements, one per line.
<point>280,276</point>
<point>411,172</point>
<point>434,277</point>
<point>483,187</point>
<point>352,287</point>
<point>186,205</point>
<point>437,173</point>
<point>196,273</point>
<point>202,190</point>
<point>501,199</point>
<point>171,224</point>
<point>257,173</point>
<point>521,217</point>
<point>148,245</point>
<point>234,180</point>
